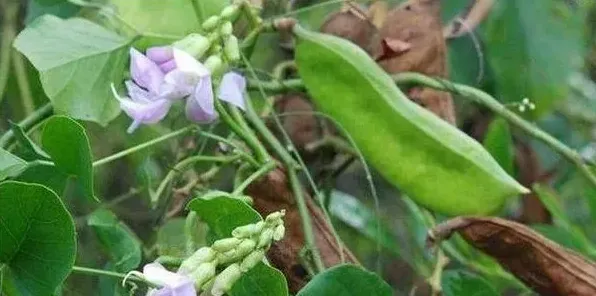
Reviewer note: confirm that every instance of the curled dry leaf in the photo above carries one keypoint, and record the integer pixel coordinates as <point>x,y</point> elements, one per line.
<point>418,23</point>
<point>272,193</point>
<point>544,266</point>
<point>351,23</point>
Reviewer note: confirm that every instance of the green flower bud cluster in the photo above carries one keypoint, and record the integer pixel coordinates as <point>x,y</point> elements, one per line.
<point>216,46</point>
<point>241,252</point>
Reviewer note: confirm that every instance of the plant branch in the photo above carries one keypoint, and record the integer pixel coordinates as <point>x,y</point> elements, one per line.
<point>142,146</point>
<point>9,9</point>
<point>31,120</point>
<point>309,238</point>
<point>99,272</point>
<point>264,170</point>
<point>182,165</point>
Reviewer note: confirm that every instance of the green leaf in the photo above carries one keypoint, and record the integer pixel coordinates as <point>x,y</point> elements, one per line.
<point>30,147</point>
<point>10,165</point>
<point>121,244</point>
<point>459,282</point>
<point>173,17</point>
<point>352,212</point>
<point>533,48</point>
<point>499,143</point>
<point>77,61</point>
<point>262,280</point>
<point>37,237</point>
<point>171,238</point>
<point>47,175</point>
<point>346,280</point>
<point>552,204</point>
<point>66,142</point>
<point>60,8</point>
<point>223,214</point>
<point>561,236</point>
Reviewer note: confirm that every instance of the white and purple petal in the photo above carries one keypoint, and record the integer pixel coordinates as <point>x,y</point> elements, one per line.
<point>145,72</point>
<point>232,88</point>
<point>160,54</point>
<point>146,112</point>
<point>173,284</point>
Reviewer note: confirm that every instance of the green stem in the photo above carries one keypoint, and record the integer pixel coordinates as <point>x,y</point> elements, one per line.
<point>145,145</point>
<point>8,34</point>
<point>181,166</point>
<point>32,119</point>
<point>260,126</point>
<point>197,9</point>
<point>309,238</point>
<point>492,104</point>
<point>20,71</point>
<point>239,149</point>
<point>265,169</point>
<point>276,86</point>
<point>244,134</point>
<point>99,272</point>
<point>260,151</point>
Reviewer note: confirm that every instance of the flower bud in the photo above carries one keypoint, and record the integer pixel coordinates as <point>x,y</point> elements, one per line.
<point>279,232</point>
<point>231,48</point>
<point>204,254</point>
<point>203,273</point>
<point>231,12</point>
<point>252,260</point>
<point>194,44</point>
<point>214,64</point>
<point>265,238</point>
<point>226,244</point>
<point>245,247</point>
<point>226,29</point>
<point>226,279</point>
<point>244,231</point>
<point>275,217</point>
<point>229,256</point>
<point>259,226</point>
<point>211,23</point>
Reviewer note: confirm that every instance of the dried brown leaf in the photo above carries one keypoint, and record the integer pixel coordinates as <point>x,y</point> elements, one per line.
<point>544,266</point>
<point>418,23</point>
<point>352,24</point>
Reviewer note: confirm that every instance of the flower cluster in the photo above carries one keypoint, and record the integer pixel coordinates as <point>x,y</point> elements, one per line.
<point>165,74</point>
<point>241,252</point>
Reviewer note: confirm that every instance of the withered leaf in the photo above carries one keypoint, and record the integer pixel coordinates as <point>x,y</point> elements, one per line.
<point>418,23</point>
<point>544,266</point>
<point>352,24</point>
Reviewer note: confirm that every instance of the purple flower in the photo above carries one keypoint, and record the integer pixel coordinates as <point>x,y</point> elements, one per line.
<point>166,74</point>
<point>173,284</point>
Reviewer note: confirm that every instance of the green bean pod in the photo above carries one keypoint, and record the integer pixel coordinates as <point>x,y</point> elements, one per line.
<point>434,163</point>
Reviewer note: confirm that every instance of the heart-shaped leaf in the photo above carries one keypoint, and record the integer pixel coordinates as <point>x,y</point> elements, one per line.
<point>37,237</point>
<point>458,282</point>
<point>66,142</point>
<point>346,280</point>
<point>262,280</point>
<point>77,61</point>
<point>223,214</point>
<point>122,246</point>
<point>10,165</point>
